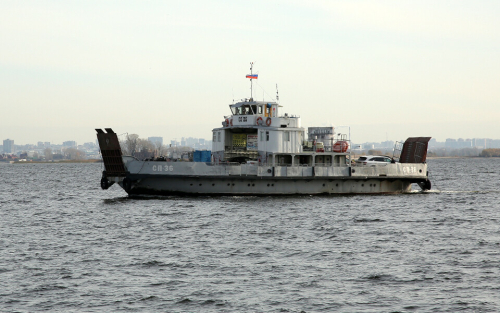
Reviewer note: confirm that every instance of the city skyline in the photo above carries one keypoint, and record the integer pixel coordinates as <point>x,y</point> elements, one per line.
<point>193,142</point>
<point>388,69</point>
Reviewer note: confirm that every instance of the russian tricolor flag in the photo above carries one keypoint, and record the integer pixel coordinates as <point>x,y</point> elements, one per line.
<point>252,76</point>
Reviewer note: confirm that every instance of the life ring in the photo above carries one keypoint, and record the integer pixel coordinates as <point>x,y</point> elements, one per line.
<point>268,121</point>
<point>259,120</point>
<point>227,122</point>
<point>340,146</point>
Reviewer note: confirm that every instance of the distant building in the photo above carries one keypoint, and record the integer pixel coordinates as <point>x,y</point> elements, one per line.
<point>8,146</point>
<point>157,141</point>
<point>451,143</point>
<point>89,145</point>
<point>69,144</point>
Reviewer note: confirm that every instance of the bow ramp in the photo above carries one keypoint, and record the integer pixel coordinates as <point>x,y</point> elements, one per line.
<point>414,150</point>
<point>111,156</point>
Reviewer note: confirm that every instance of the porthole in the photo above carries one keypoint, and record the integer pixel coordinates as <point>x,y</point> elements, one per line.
<point>248,185</point>
<point>190,184</point>
<point>229,184</point>
<point>362,185</point>
<point>323,185</point>
<point>420,171</point>
<point>233,184</point>
<point>213,184</point>
<point>336,185</point>
<point>267,185</point>
<point>200,184</point>
<point>354,171</point>
<point>253,185</point>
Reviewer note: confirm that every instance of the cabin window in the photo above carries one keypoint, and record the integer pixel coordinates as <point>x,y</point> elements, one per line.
<point>215,137</point>
<point>218,136</point>
<point>261,136</point>
<point>260,109</point>
<point>254,109</point>
<point>267,135</point>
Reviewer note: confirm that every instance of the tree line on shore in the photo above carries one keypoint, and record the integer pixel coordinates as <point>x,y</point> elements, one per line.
<point>134,145</point>
<point>464,152</point>
<point>489,153</point>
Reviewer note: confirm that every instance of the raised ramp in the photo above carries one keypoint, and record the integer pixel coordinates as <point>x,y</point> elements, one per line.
<point>414,150</point>
<point>111,152</point>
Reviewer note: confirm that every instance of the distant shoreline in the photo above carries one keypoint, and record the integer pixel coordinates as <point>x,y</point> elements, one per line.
<point>100,161</point>
<point>56,162</point>
<point>461,157</point>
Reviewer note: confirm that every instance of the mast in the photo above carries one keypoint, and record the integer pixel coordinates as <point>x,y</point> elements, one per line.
<point>251,76</point>
<point>251,81</point>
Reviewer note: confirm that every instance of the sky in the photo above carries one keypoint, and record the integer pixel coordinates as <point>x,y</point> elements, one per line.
<point>381,70</point>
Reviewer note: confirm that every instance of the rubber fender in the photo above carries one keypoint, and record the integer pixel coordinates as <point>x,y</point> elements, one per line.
<point>425,185</point>
<point>104,183</point>
<point>127,184</point>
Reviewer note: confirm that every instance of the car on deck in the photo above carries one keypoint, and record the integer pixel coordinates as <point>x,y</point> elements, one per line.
<point>373,160</point>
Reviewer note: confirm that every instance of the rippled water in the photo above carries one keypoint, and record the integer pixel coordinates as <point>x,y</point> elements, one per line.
<point>66,245</point>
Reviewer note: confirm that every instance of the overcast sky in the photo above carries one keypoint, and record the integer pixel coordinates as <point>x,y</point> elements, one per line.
<point>387,69</point>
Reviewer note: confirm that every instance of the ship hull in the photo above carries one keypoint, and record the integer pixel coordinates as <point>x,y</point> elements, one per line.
<point>172,185</point>
<point>198,178</point>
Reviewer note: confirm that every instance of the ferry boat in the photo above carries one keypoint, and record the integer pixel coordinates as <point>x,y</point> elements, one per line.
<point>257,150</point>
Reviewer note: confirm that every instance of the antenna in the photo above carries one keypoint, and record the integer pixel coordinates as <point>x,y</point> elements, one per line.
<point>277,95</point>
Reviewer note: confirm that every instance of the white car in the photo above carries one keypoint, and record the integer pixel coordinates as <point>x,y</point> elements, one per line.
<point>373,160</point>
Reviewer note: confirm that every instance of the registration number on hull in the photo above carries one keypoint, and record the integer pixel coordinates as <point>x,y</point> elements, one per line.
<point>410,170</point>
<point>163,168</point>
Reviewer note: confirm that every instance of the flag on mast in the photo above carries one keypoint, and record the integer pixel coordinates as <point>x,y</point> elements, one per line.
<point>252,76</point>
